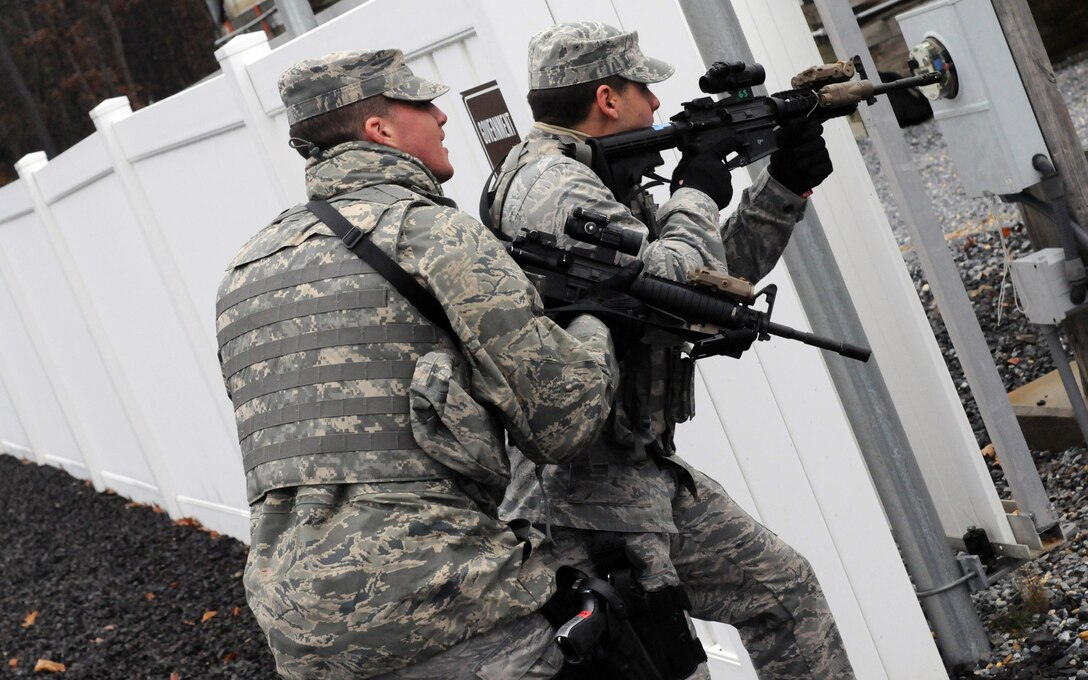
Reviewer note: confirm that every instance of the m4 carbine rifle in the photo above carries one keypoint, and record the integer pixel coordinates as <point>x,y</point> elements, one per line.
<point>712,310</point>
<point>740,124</point>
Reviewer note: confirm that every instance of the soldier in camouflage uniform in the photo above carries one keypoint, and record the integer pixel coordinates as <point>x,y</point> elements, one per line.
<point>372,440</point>
<point>588,79</point>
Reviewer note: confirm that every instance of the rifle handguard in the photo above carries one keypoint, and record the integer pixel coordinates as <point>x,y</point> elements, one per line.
<point>845,94</point>
<point>730,285</point>
<point>824,74</point>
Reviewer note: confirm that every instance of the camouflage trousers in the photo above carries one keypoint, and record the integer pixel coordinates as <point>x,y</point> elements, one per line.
<point>737,571</point>
<point>522,650</point>
<point>734,569</point>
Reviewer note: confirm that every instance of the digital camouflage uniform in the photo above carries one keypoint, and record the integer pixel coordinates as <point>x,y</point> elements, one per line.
<point>734,569</point>
<point>373,443</point>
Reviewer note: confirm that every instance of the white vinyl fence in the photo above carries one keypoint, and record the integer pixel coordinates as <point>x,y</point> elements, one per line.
<point>111,253</point>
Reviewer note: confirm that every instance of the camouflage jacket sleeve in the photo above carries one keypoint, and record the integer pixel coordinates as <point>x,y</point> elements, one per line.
<point>551,387</point>
<point>759,229</point>
<point>748,244</point>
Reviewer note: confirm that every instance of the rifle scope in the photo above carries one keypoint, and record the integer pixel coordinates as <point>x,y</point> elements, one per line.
<point>590,226</point>
<point>729,76</point>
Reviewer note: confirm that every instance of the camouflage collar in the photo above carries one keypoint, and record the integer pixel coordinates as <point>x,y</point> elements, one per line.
<point>556,131</point>
<point>356,165</point>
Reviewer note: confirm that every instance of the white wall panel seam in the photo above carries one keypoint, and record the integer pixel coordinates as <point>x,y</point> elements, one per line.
<point>105,117</point>
<point>4,443</point>
<point>83,441</point>
<point>37,449</point>
<point>235,58</point>
<point>15,215</point>
<point>207,134</point>
<point>130,403</point>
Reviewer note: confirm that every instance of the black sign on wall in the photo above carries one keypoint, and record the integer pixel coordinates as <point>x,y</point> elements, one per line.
<point>492,121</point>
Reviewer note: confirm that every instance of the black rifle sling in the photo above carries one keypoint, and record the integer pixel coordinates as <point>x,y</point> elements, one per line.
<point>362,246</point>
<point>487,197</point>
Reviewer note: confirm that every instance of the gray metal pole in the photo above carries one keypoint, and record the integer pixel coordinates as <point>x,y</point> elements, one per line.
<point>1076,400</point>
<point>864,394</point>
<point>297,15</point>
<point>944,279</point>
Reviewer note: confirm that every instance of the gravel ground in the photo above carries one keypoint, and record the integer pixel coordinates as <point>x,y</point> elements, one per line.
<point>112,589</point>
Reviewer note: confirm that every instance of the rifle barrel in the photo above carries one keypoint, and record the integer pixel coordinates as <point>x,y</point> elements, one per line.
<point>905,83</point>
<point>845,349</point>
<point>710,308</point>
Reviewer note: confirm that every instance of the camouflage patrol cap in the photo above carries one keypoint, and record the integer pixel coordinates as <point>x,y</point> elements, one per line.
<point>583,51</point>
<point>315,86</point>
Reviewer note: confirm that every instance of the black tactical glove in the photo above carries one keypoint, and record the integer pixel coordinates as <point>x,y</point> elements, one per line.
<point>707,173</point>
<point>622,280</point>
<point>801,161</point>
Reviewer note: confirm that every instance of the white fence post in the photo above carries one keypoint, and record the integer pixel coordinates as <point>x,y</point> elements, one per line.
<point>105,116</point>
<point>27,167</point>
<point>270,142</point>
<point>37,451</point>
<point>53,374</point>
<point>7,446</point>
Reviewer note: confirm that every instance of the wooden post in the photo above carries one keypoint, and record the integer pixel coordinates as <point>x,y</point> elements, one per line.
<point>1036,71</point>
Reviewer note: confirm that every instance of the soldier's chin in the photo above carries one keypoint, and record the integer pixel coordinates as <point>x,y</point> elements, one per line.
<point>443,175</point>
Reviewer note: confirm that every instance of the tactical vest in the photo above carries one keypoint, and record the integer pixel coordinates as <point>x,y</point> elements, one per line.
<point>657,390</point>
<point>318,353</point>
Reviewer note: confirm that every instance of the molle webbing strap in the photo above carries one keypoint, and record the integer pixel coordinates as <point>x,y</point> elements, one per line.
<point>405,333</point>
<point>316,375</point>
<point>330,443</point>
<point>334,408</point>
<point>353,299</point>
<point>361,245</point>
<point>293,277</point>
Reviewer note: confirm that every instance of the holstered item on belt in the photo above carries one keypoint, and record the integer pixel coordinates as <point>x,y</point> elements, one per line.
<point>616,630</point>
<point>597,641</point>
<point>662,625</point>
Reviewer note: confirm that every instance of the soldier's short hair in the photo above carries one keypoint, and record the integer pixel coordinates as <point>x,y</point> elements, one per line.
<point>584,51</point>
<point>316,86</point>
<point>338,126</point>
<point>568,106</point>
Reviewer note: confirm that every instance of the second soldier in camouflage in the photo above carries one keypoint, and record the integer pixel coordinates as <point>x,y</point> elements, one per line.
<point>676,525</point>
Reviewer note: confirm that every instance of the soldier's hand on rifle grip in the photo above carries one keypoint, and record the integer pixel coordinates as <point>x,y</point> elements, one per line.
<point>801,161</point>
<point>624,277</point>
<point>707,173</point>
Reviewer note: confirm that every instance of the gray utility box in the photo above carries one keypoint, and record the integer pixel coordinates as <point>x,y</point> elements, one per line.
<point>989,125</point>
<point>1040,283</point>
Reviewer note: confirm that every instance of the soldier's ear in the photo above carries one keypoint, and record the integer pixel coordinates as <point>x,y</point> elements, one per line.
<point>608,101</point>
<point>378,130</point>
